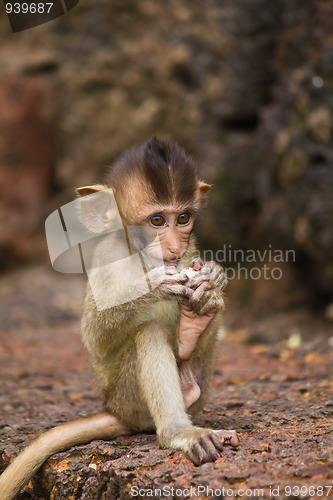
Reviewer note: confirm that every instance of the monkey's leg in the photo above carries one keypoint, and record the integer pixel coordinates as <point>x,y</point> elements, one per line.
<point>159,384</point>
<point>84,430</point>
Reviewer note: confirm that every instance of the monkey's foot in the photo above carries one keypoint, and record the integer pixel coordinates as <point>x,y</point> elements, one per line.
<point>202,445</point>
<point>190,388</point>
<point>191,327</point>
<point>191,394</point>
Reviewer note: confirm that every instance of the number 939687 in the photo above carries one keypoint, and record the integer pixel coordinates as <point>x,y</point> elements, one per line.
<point>28,8</point>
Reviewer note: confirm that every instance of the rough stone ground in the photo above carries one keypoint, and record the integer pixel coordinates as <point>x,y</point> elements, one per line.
<point>272,384</point>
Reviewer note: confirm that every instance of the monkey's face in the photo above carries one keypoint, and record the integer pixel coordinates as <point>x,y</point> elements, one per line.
<point>173,228</point>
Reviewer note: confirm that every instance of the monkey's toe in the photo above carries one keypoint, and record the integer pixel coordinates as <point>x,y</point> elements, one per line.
<point>228,437</point>
<point>203,451</point>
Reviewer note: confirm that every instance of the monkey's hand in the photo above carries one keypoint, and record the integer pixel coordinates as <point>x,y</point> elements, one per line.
<point>207,284</point>
<point>174,284</point>
<point>209,272</point>
<point>206,301</point>
<point>201,445</point>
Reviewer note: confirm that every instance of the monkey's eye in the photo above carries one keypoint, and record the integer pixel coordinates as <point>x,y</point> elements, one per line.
<point>157,220</point>
<point>183,218</point>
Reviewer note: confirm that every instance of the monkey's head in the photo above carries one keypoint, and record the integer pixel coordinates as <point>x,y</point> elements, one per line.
<point>156,185</point>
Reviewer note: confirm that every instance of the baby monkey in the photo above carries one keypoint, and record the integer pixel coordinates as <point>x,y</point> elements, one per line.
<point>154,354</point>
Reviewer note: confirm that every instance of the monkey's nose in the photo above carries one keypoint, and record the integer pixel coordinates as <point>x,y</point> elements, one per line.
<point>175,252</point>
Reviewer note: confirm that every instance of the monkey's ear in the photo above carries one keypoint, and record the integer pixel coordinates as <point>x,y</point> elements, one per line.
<point>98,208</point>
<point>95,188</point>
<point>204,187</point>
<point>202,190</point>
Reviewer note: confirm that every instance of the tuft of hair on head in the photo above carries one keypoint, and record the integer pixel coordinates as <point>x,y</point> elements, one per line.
<point>170,172</point>
<point>161,171</point>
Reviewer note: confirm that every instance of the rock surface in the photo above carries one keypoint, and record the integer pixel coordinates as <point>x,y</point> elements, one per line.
<point>272,384</point>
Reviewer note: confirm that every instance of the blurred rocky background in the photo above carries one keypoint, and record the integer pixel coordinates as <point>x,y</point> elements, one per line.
<point>246,86</point>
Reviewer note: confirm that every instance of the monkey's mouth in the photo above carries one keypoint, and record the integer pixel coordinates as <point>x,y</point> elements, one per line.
<point>171,263</point>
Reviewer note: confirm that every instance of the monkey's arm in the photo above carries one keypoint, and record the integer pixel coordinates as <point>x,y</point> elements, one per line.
<point>159,383</point>
<point>105,331</point>
<point>164,284</point>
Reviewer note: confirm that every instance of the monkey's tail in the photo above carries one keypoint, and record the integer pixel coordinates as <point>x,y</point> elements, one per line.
<point>83,430</point>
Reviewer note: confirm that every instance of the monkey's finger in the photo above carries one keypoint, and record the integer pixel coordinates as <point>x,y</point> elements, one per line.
<point>198,294</point>
<point>198,304</point>
<point>164,274</point>
<point>214,271</point>
<point>194,457</point>
<point>216,274</point>
<point>219,278</point>
<point>211,306</point>
<point>185,297</point>
<point>209,266</point>
<point>178,289</point>
<point>183,278</point>
<point>217,440</point>
<point>197,264</point>
<point>221,281</point>
<point>197,280</point>
<point>171,271</point>
<point>211,311</point>
<point>209,447</point>
<point>209,303</point>
<point>177,292</point>
<point>176,278</point>
<point>199,454</point>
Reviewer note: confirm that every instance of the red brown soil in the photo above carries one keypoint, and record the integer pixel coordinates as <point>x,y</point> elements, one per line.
<point>272,384</point>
